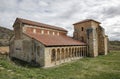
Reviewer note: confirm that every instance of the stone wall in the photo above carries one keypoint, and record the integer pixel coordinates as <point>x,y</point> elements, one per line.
<point>101,44</point>
<point>78,33</point>
<point>26,49</point>
<point>90,38</point>
<point>39,50</point>
<point>43,31</point>
<point>106,44</point>
<point>63,54</point>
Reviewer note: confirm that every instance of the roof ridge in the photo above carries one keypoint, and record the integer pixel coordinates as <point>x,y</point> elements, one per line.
<point>86,21</point>
<point>26,21</point>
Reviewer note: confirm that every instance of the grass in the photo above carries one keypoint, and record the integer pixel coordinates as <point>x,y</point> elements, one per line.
<point>101,67</point>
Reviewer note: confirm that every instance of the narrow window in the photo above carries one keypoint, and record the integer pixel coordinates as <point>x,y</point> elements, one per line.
<point>34,30</point>
<point>42,31</point>
<point>82,28</point>
<point>58,33</point>
<point>48,32</point>
<point>53,33</point>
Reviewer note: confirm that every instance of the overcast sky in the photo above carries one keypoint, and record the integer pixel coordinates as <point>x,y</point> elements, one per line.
<point>63,13</point>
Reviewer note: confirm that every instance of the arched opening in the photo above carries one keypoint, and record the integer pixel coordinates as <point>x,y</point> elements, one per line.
<point>77,52</point>
<point>72,52</point>
<point>53,55</point>
<point>58,54</point>
<point>69,52</point>
<point>62,53</point>
<point>82,51</point>
<point>82,29</point>
<point>66,53</point>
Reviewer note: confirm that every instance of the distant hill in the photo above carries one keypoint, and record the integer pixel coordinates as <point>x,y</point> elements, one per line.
<point>114,45</point>
<point>5,35</point>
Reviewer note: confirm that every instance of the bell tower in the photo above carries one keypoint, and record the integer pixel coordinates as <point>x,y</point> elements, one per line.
<point>86,31</point>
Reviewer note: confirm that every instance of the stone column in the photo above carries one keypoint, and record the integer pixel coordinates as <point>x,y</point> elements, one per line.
<point>106,45</point>
<point>64,54</point>
<point>60,55</point>
<point>84,51</point>
<point>71,54</point>
<point>78,53</point>
<point>55,56</point>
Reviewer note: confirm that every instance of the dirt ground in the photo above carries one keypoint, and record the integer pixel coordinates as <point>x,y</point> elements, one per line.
<point>4,50</point>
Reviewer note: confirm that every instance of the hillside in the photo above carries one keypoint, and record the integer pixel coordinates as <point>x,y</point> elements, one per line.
<point>114,45</point>
<point>5,35</point>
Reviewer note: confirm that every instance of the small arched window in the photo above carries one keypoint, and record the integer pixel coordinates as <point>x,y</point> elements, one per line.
<point>82,28</point>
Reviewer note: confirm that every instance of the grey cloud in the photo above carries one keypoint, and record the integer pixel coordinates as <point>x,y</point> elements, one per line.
<point>112,11</point>
<point>62,13</point>
<point>116,33</point>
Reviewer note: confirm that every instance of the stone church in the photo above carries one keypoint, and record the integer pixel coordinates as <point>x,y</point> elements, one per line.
<point>49,45</point>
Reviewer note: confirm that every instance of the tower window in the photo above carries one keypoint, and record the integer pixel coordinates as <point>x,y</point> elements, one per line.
<point>82,28</point>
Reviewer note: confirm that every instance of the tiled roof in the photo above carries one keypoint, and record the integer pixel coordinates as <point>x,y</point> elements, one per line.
<point>86,21</point>
<point>40,24</point>
<point>54,40</point>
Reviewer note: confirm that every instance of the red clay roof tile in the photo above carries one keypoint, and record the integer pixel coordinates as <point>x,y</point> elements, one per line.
<point>54,40</point>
